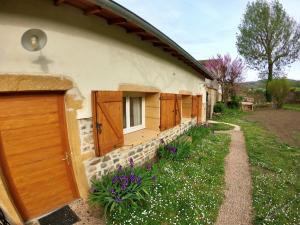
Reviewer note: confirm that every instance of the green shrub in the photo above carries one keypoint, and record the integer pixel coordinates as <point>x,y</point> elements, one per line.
<point>219,107</point>
<point>279,89</point>
<point>179,149</point>
<point>122,189</point>
<point>198,132</point>
<point>235,102</point>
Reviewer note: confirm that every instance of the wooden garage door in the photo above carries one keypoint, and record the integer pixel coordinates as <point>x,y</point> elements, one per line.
<point>33,152</point>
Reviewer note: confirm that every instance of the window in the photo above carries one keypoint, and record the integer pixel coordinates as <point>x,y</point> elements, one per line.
<point>133,113</point>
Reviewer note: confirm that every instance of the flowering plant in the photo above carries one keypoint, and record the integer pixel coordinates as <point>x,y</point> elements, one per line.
<point>178,149</point>
<point>122,189</point>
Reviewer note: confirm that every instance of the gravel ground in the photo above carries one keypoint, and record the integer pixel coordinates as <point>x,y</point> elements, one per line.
<point>237,206</point>
<point>87,215</point>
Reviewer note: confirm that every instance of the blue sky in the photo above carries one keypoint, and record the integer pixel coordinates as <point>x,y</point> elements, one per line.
<point>204,27</point>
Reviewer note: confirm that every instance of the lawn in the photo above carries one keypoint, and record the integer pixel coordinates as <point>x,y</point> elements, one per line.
<point>275,169</point>
<point>220,126</point>
<point>187,192</point>
<point>295,107</point>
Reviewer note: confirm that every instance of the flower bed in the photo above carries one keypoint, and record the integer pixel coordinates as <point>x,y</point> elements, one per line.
<point>179,189</point>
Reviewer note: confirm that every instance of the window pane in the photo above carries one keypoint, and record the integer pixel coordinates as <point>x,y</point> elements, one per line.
<point>124,112</point>
<point>135,111</point>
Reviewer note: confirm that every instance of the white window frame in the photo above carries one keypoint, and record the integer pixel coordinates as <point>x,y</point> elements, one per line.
<point>129,129</point>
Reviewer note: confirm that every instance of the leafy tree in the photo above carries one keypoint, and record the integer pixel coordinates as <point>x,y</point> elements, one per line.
<point>279,89</point>
<point>268,39</point>
<point>228,72</point>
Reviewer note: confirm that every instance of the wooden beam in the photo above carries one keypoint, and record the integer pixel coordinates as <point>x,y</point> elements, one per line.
<point>58,2</point>
<point>137,30</point>
<point>169,49</point>
<point>116,21</point>
<point>175,54</point>
<point>159,44</point>
<point>93,11</point>
<point>149,38</point>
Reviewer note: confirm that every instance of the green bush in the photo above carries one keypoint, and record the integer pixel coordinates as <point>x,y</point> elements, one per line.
<point>235,102</point>
<point>122,189</point>
<point>178,150</point>
<point>279,89</point>
<point>219,107</point>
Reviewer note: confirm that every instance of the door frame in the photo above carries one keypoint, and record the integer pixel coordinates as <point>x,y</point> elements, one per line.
<point>4,174</point>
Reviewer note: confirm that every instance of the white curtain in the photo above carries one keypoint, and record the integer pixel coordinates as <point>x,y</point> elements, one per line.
<point>135,111</point>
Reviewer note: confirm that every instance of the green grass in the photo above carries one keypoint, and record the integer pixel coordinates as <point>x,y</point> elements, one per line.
<point>275,174</point>
<point>220,126</point>
<point>187,192</point>
<point>295,107</point>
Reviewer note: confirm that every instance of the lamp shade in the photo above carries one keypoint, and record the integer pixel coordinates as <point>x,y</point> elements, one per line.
<point>34,40</point>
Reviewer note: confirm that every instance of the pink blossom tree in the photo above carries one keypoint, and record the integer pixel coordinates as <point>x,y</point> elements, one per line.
<point>228,72</point>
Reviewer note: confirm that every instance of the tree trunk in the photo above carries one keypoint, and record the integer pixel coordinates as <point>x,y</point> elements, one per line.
<point>270,78</point>
<point>223,92</point>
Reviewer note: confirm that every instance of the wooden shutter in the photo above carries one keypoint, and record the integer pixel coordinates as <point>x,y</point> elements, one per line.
<point>170,110</point>
<point>167,111</point>
<point>107,120</point>
<point>197,107</point>
<point>199,114</point>
<point>178,104</point>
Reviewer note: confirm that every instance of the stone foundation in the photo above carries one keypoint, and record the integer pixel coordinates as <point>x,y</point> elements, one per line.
<point>99,166</point>
<point>86,135</point>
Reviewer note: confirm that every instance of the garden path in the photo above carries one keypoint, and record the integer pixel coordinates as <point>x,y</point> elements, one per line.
<point>237,205</point>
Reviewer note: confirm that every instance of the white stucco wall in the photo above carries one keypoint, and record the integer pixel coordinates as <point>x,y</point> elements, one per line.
<point>94,55</point>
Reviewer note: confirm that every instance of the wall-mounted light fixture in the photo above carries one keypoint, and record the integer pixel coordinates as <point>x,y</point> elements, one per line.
<point>34,40</point>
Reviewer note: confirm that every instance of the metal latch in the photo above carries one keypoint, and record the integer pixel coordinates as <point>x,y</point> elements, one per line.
<point>99,127</point>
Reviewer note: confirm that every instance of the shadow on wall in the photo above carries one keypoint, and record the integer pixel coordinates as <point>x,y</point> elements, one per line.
<point>44,62</point>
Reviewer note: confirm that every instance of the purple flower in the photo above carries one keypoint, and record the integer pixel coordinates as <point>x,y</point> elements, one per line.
<point>118,199</point>
<point>171,149</point>
<point>149,167</point>
<point>124,186</point>
<point>124,182</point>
<point>131,162</point>
<point>115,179</point>
<point>139,181</point>
<point>113,191</point>
<point>132,177</point>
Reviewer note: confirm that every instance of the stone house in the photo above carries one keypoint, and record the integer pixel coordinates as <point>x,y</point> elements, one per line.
<point>84,85</point>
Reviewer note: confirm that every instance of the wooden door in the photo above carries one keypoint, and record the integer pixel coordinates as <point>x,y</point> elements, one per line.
<point>107,120</point>
<point>34,151</point>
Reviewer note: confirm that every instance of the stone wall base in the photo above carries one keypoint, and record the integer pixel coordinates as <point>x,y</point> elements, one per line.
<point>99,166</point>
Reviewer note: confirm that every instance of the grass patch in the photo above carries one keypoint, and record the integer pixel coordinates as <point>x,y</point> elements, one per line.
<point>275,174</point>
<point>295,107</point>
<point>187,192</point>
<point>220,126</point>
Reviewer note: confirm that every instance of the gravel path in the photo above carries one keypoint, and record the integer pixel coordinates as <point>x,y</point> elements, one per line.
<point>237,206</point>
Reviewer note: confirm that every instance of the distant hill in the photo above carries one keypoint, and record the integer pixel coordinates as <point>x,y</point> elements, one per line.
<point>261,84</point>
